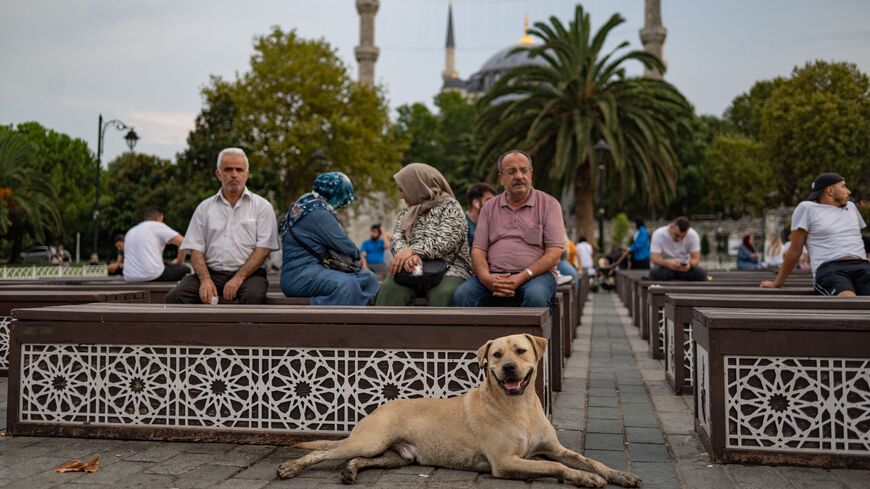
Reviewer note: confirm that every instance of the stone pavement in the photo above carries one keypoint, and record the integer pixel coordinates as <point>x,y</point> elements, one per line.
<point>615,405</point>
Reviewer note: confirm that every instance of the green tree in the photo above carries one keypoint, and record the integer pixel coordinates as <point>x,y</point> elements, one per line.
<point>739,180</point>
<point>133,182</point>
<point>28,201</point>
<point>297,98</point>
<point>444,140</point>
<point>817,121</point>
<point>693,139</point>
<point>70,168</point>
<point>744,113</point>
<point>558,109</point>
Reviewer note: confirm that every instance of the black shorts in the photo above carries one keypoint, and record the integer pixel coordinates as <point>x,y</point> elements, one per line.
<point>837,276</point>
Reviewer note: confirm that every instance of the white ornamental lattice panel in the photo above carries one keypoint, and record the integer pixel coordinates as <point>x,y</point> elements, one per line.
<point>52,271</point>
<point>671,358</point>
<point>688,356</point>
<point>5,326</point>
<point>702,390</point>
<point>798,404</point>
<point>661,329</point>
<point>230,388</point>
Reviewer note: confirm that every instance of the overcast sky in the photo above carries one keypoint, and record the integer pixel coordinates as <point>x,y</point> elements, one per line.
<point>144,62</point>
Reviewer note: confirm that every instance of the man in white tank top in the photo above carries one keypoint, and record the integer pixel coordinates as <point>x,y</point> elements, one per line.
<point>829,224</point>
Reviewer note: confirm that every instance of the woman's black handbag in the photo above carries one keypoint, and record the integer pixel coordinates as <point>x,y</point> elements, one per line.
<point>331,259</point>
<point>433,272</point>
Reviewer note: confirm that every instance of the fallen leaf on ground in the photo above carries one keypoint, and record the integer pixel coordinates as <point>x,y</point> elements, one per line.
<point>79,466</point>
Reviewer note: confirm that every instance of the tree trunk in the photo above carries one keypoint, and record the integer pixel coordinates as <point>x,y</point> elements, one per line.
<point>17,245</point>
<point>584,205</point>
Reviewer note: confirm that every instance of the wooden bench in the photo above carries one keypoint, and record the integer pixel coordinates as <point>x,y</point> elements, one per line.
<point>679,305</point>
<point>783,387</point>
<point>157,291</point>
<point>645,313</point>
<point>655,322</point>
<point>12,299</point>
<point>241,373</point>
<point>631,294</point>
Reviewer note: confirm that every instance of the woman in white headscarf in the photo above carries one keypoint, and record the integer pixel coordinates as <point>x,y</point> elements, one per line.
<point>432,226</point>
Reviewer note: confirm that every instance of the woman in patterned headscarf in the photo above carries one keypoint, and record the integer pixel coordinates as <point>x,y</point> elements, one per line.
<point>432,226</point>
<point>314,222</point>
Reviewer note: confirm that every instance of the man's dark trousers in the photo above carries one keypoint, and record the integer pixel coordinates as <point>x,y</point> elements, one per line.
<point>252,291</point>
<point>661,274</point>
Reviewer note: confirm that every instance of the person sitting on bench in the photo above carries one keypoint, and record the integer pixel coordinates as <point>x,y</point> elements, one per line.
<point>431,227</point>
<point>675,250</point>
<point>229,237</point>
<point>518,242</point>
<point>829,224</point>
<point>143,254</point>
<point>310,228</point>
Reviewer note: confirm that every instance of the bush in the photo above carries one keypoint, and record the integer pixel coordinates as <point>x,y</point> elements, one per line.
<point>619,229</point>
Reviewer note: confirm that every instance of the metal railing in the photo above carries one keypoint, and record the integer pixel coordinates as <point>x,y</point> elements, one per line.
<point>36,272</point>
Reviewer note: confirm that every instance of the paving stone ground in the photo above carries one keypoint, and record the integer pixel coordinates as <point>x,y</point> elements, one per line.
<point>615,406</point>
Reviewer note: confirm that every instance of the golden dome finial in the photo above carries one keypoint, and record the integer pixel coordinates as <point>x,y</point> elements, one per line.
<point>526,40</point>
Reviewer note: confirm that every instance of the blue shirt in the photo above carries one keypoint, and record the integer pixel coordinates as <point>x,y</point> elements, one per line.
<point>640,245</point>
<point>374,251</point>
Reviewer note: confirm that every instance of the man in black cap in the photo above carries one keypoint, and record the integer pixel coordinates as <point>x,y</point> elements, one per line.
<point>829,224</point>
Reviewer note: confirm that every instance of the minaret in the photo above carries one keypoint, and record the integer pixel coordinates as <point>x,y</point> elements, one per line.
<point>653,34</point>
<point>449,72</point>
<point>366,52</point>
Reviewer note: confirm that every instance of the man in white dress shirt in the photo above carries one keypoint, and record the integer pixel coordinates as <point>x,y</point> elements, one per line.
<point>229,237</point>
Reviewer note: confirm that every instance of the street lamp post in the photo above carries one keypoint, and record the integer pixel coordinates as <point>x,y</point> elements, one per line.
<point>601,149</point>
<point>131,138</point>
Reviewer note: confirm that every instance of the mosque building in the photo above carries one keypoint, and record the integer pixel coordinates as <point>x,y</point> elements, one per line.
<point>652,36</point>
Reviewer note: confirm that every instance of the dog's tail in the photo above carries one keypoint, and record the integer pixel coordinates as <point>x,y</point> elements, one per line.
<point>318,444</point>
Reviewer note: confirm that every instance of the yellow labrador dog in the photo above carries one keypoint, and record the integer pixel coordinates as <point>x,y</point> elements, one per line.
<point>498,427</point>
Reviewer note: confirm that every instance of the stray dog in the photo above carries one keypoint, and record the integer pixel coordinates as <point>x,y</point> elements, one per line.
<point>495,428</point>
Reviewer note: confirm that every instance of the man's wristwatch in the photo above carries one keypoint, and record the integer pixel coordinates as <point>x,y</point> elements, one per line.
<point>531,275</point>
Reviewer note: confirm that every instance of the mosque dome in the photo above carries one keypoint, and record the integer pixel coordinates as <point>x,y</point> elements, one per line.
<point>494,68</point>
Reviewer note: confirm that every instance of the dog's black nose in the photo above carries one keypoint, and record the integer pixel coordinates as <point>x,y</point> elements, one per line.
<point>509,368</point>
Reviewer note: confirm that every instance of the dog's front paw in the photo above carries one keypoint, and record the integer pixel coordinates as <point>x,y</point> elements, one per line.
<point>624,479</point>
<point>348,473</point>
<point>288,470</point>
<point>586,479</point>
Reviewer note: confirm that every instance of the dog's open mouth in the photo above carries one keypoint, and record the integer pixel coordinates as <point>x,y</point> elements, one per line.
<point>515,387</point>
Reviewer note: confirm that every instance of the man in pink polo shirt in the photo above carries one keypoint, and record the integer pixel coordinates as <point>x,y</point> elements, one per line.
<point>518,242</point>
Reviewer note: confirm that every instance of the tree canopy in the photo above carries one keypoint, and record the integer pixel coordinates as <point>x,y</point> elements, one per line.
<point>444,139</point>
<point>817,121</point>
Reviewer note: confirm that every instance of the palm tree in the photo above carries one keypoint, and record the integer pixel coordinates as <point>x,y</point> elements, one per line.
<point>557,109</point>
<point>28,202</point>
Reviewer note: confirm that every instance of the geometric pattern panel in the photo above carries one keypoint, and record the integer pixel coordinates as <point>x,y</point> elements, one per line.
<point>297,389</point>
<point>702,390</point>
<point>798,404</point>
<point>5,326</point>
<point>688,360</point>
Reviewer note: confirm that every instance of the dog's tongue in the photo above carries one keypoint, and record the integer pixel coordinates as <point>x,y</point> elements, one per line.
<point>512,384</point>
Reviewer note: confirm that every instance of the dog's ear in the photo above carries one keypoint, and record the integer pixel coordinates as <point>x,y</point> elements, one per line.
<point>482,353</point>
<point>539,344</point>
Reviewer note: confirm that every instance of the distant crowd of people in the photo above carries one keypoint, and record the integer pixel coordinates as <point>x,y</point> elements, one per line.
<point>505,248</point>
